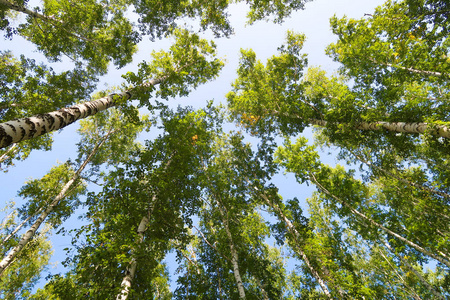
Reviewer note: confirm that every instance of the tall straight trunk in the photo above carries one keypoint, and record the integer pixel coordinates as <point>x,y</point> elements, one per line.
<point>37,16</point>
<point>9,258</point>
<point>416,185</point>
<point>400,127</point>
<point>234,262</point>
<point>412,70</point>
<point>234,254</point>
<point>27,128</point>
<point>23,9</point>
<point>376,224</point>
<point>18,227</point>
<point>424,282</point>
<point>8,153</point>
<point>131,269</point>
<point>408,288</point>
<point>298,238</point>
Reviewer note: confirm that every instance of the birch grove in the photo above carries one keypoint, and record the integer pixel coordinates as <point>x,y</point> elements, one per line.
<point>201,171</point>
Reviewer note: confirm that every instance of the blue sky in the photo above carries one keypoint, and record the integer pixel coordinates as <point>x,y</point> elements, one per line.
<point>262,37</point>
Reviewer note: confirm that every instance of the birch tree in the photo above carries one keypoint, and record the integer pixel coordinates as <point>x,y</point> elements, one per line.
<point>279,96</point>
<point>359,202</point>
<point>232,259</point>
<point>26,269</point>
<point>63,183</point>
<point>51,191</point>
<point>29,88</point>
<point>145,204</point>
<point>189,63</point>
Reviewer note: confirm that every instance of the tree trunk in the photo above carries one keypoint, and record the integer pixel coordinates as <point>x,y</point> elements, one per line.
<point>24,10</point>
<point>27,128</point>
<point>234,262</point>
<point>131,269</point>
<point>30,233</point>
<point>424,282</point>
<point>234,254</point>
<point>18,227</point>
<point>386,230</point>
<point>8,153</point>
<point>408,288</point>
<point>400,127</point>
<point>412,70</point>
<point>297,237</point>
<point>416,185</point>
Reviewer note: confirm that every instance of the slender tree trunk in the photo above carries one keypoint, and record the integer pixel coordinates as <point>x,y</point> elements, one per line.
<point>211,245</point>
<point>297,237</point>
<point>31,232</point>
<point>234,254</point>
<point>401,127</point>
<point>263,291</point>
<point>27,128</point>
<point>408,265</point>
<point>386,230</point>
<point>20,226</point>
<point>412,70</point>
<point>419,186</point>
<point>131,269</point>
<point>408,288</point>
<point>8,153</point>
<point>24,10</point>
<point>234,262</point>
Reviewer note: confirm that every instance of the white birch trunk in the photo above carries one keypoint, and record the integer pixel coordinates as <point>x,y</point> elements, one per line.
<point>408,288</point>
<point>234,255</point>
<point>411,268</point>
<point>386,230</point>
<point>425,72</point>
<point>234,262</point>
<point>9,258</point>
<point>297,236</point>
<point>18,227</point>
<point>400,127</point>
<point>131,269</point>
<point>27,128</point>
<point>8,153</point>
